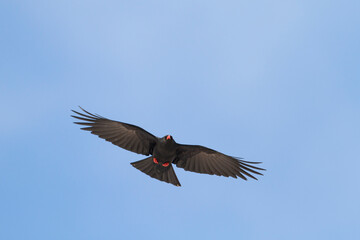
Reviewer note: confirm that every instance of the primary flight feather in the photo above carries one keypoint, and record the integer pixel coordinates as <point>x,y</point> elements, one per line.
<point>165,151</point>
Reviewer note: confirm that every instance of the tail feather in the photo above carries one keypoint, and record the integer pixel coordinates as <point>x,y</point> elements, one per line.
<point>165,174</point>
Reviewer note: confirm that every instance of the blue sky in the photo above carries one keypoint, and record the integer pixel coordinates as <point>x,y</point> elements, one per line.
<point>270,81</point>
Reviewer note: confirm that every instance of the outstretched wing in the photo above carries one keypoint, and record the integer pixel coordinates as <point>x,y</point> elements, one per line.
<point>127,136</point>
<point>200,159</point>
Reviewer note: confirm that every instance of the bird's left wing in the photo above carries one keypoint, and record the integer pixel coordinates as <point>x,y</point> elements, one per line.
<point>127,136</point>
<point>200,159</point>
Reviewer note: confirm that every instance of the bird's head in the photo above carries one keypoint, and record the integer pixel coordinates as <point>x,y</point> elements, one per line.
<point>168,138</point>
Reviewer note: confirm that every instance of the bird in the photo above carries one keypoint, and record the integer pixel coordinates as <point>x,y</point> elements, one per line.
<point>164,152</point>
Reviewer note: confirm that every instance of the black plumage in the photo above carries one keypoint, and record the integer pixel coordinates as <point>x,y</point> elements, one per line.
<point>165,151</point>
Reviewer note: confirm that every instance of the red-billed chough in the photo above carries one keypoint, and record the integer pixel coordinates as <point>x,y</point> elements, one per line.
<point>165,151</point>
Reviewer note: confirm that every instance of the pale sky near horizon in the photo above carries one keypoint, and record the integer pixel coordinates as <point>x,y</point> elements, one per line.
<point>271,81</point>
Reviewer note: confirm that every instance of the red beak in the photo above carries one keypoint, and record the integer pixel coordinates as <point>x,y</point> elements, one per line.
<point>168,137</point>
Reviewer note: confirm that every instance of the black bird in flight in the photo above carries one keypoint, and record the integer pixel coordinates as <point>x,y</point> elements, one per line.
<point>165,151</point>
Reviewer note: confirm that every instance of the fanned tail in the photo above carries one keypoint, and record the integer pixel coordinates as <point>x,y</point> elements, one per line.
<point>165,174</point>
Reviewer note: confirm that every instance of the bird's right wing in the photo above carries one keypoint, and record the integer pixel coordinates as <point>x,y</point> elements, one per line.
<point>200,159</point>
<point>127,136</point>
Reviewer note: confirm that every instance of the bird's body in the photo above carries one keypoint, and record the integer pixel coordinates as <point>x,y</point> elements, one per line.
<point>165,151</point>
